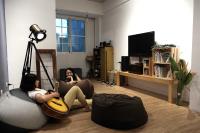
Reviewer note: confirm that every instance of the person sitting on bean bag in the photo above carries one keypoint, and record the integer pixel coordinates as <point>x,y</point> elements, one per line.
<point>72,79</point>
<point>30,85</point>
<point>71,76</point>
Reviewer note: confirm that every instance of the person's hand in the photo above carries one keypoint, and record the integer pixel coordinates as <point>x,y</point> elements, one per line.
<point>71,79</point>
<point>55,94</point>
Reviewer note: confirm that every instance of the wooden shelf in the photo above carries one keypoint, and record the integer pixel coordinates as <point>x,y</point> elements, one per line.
<point>161,63</point>
<point>147,69</point>
<point>168,81</point>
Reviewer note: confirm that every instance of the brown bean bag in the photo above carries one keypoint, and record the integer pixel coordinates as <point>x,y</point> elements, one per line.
<point>85,85</point>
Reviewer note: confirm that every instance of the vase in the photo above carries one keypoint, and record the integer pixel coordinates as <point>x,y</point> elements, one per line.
<point>178,100</point>
<point>179,93</point>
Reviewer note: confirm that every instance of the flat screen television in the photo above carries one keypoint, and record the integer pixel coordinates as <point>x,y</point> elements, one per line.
<point>141,44</point>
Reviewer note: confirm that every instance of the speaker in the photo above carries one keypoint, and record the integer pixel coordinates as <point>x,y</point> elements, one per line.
<point>124,63</point>
<point>136,68</point>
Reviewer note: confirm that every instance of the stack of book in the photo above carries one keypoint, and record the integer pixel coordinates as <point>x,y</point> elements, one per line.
<point>162,57</point>
<point>162,72</point>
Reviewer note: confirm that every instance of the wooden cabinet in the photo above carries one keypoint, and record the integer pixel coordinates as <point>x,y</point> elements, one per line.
<point>161,66</point>
<point>106,60</point>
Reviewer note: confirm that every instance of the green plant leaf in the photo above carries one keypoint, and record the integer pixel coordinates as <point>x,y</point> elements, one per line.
<point>182,65</point>
<point>188,78</point>
<point>174,65</point>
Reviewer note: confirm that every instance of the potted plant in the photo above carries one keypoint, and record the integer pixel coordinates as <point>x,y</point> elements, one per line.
<point>182,75</point>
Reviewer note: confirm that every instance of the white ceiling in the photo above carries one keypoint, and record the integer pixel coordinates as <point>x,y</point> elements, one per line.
<point>100,1</point>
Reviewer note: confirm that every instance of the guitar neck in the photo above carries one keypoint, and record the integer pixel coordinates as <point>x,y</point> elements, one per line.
<point>56,86</point>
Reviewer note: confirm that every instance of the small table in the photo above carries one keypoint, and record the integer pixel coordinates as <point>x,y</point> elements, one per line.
<point>167,81</point>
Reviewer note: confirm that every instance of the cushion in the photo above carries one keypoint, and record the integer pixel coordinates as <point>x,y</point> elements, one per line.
<point>85,85</point>
<point>20,113</point>
<point>118,111</point>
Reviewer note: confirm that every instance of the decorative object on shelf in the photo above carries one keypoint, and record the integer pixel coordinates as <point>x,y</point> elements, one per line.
<point>182,74</point>
<point>163,46</point>
<point>105,44</point>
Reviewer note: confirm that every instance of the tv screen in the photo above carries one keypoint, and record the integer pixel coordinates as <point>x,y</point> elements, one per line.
<point>141,44</point>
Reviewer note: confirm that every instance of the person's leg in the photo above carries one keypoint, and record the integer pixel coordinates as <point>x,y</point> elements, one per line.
<point>72,94</point>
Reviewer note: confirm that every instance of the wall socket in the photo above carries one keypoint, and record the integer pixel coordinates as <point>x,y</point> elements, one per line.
<point>1,92</point>
<point>8,86</point>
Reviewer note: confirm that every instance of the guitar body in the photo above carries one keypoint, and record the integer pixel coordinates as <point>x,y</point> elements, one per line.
<point>55,108</point>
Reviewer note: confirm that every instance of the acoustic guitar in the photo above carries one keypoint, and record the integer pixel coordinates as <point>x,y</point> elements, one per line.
<point>55,107</point>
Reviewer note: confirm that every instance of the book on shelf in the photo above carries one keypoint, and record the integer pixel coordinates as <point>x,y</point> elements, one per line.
<point>146,72</point>
<point>169,74</point>
<point>162,72</point>
<point>165,57</point>
<point>146,62</point>
<point>161,57</point>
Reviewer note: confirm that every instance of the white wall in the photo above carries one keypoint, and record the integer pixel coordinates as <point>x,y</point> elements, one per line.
<point>170,19</point>
<point>20,15</point>
<point>195,87</point>
<point>82,8</point>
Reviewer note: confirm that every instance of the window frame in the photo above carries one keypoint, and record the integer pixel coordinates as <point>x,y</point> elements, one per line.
<point>69,43</point>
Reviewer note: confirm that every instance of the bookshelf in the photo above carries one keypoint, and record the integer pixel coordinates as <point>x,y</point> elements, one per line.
<point>97,63</point>
<point>161,67</point>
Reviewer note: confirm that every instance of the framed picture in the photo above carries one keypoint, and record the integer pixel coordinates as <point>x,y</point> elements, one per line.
<point>48,57</point>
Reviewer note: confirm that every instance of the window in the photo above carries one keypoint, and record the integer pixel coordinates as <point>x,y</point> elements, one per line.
<point>70,34</point>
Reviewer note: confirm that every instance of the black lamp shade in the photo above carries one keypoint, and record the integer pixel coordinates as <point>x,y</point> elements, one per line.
<point>38,33</point>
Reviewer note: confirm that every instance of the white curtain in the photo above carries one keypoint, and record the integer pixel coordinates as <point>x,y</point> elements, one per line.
<point>3,49</point>
<point>195,87</point>
<point>90,36</point>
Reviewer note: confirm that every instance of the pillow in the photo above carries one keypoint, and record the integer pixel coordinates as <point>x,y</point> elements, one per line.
<point>85,85</point>
<point>64,88</point>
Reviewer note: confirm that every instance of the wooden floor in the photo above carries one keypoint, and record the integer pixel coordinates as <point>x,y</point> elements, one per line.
<point>163,116</point>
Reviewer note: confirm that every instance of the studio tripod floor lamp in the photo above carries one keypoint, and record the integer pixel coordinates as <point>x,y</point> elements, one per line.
<point>36,35</point>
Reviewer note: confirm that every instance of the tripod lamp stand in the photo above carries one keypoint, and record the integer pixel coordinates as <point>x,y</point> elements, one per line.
<point>36,35</point>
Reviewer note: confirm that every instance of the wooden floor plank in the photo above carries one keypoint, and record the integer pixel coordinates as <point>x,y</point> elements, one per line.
<point>163,116</point>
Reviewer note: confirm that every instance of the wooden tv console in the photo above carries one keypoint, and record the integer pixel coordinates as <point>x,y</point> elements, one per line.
<point>167,81</point>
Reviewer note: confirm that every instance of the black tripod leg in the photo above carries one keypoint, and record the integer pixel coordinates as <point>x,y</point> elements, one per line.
<point>26,67</point>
